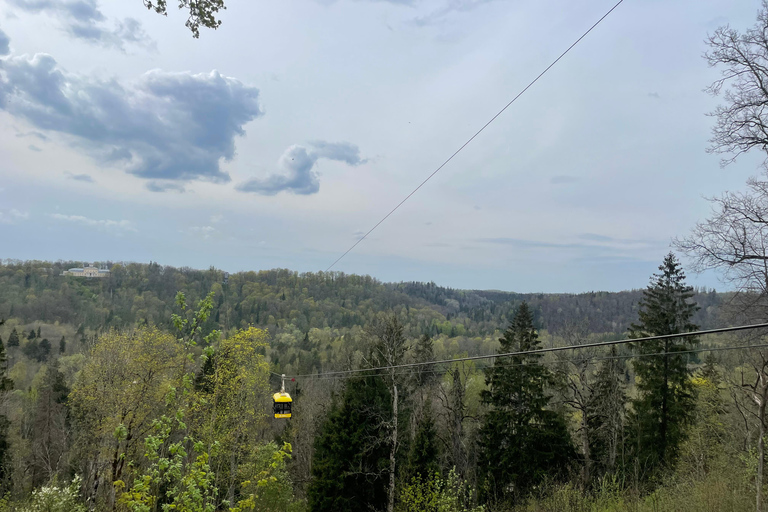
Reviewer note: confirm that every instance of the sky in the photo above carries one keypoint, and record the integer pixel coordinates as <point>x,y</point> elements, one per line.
<point>279,139</point>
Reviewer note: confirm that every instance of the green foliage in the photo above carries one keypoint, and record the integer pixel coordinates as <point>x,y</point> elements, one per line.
<point>267,486</point>
<point>664,404</point>
<point>350,464</point>
<point>435,494</point>
<point>422,458</point>
<point>521,441</point>
<point>13,339</point>
<point>171,480</point>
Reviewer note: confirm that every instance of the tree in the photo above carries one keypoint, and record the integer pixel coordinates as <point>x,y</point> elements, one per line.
<point>665,399</point>
<point>44,350</point>
<point>229,406</point>
<point>743,62</point>
<point>50,432</point>
<point>521,441</point>
<point>422,458</point>
<point>389,349</point>
<point>351,459</point>
<point>580,392</point>
<point>201,12</point>
<point>13,338</point>
<point>733,241</point>
<point>6,386</point>
<point>118,394</point>
<point>607,408</point>
<point>62,345</point>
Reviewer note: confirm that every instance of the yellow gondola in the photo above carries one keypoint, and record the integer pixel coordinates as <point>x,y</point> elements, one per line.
<point>281,402</point>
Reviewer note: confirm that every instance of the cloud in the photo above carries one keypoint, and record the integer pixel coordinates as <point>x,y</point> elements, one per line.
<point>449,8</point>
<point>215,219</point>
<point>5,44</point>
<point>596,238</point>
<point>38,135</point>
<point>105,224</point>
<point>79,177</point>
<point>654,95</point>
<point>165,186</point>
<point>12,216</point>
<point>297,164</point>
<point>82,19</point>
<point>564,179</point>
<point>32,147</point>
<point>204,231</point>
<point>164,126</point>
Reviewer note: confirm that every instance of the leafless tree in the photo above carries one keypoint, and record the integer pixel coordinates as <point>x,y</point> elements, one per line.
<point>580,389</point>
<point>734,242</point>
<point>389,349</point>
<point>742,122</point>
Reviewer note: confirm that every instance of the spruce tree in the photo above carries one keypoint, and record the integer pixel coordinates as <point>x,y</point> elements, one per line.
<point>665,399</point>
<point>62,345</point>
<point>349,467</point>
<point>13,338</point>
<point>422,457</point>
<point>44,350</point>
<point>522,442</point>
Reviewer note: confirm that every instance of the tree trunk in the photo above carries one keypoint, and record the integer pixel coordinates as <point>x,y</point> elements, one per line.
<point>664,407</point>
<point>760,457</point>
<point>586,470</point>
<point>392,450</point>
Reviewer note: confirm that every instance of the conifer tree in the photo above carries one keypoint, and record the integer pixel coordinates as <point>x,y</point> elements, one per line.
<point>522,442</point>
<point>422,458</point>
<point>349,467</point>
<point>13,338</point>
<point>62,345</point>
<point>6,385</point>
<point>665,395</point>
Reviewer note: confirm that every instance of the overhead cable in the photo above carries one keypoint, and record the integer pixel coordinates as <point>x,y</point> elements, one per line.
<point>477,133</point>
<point>541,350</point>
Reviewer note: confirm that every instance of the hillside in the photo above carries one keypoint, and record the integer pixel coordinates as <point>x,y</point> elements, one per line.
<point>279,299</point>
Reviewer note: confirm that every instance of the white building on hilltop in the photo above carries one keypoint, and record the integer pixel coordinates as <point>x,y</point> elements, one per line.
<point>86,271</point>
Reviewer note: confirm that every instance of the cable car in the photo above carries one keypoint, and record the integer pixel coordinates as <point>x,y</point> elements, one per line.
<point>281,402</point>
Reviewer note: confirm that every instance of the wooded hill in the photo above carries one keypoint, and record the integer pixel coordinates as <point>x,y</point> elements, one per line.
<point>280,299</point>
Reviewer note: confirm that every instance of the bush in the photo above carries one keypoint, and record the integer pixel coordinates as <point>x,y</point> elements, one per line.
<point>56,499</point>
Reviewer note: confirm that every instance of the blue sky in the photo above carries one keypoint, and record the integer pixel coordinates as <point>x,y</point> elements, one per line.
<point>277,140</point>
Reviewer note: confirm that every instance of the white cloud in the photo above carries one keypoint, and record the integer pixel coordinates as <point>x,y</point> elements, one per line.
<point>12,216</point>
<point>106,223</point>
<point>204,231</point>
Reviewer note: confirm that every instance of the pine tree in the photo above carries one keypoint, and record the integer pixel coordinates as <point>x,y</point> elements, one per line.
<point>522,442</point>
<point>349,467</point>
<point>665,399</point>
<point>62,345</point>
<point>13,339</point>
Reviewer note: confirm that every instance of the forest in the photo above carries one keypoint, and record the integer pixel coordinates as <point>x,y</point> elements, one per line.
<point>151,390</point>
